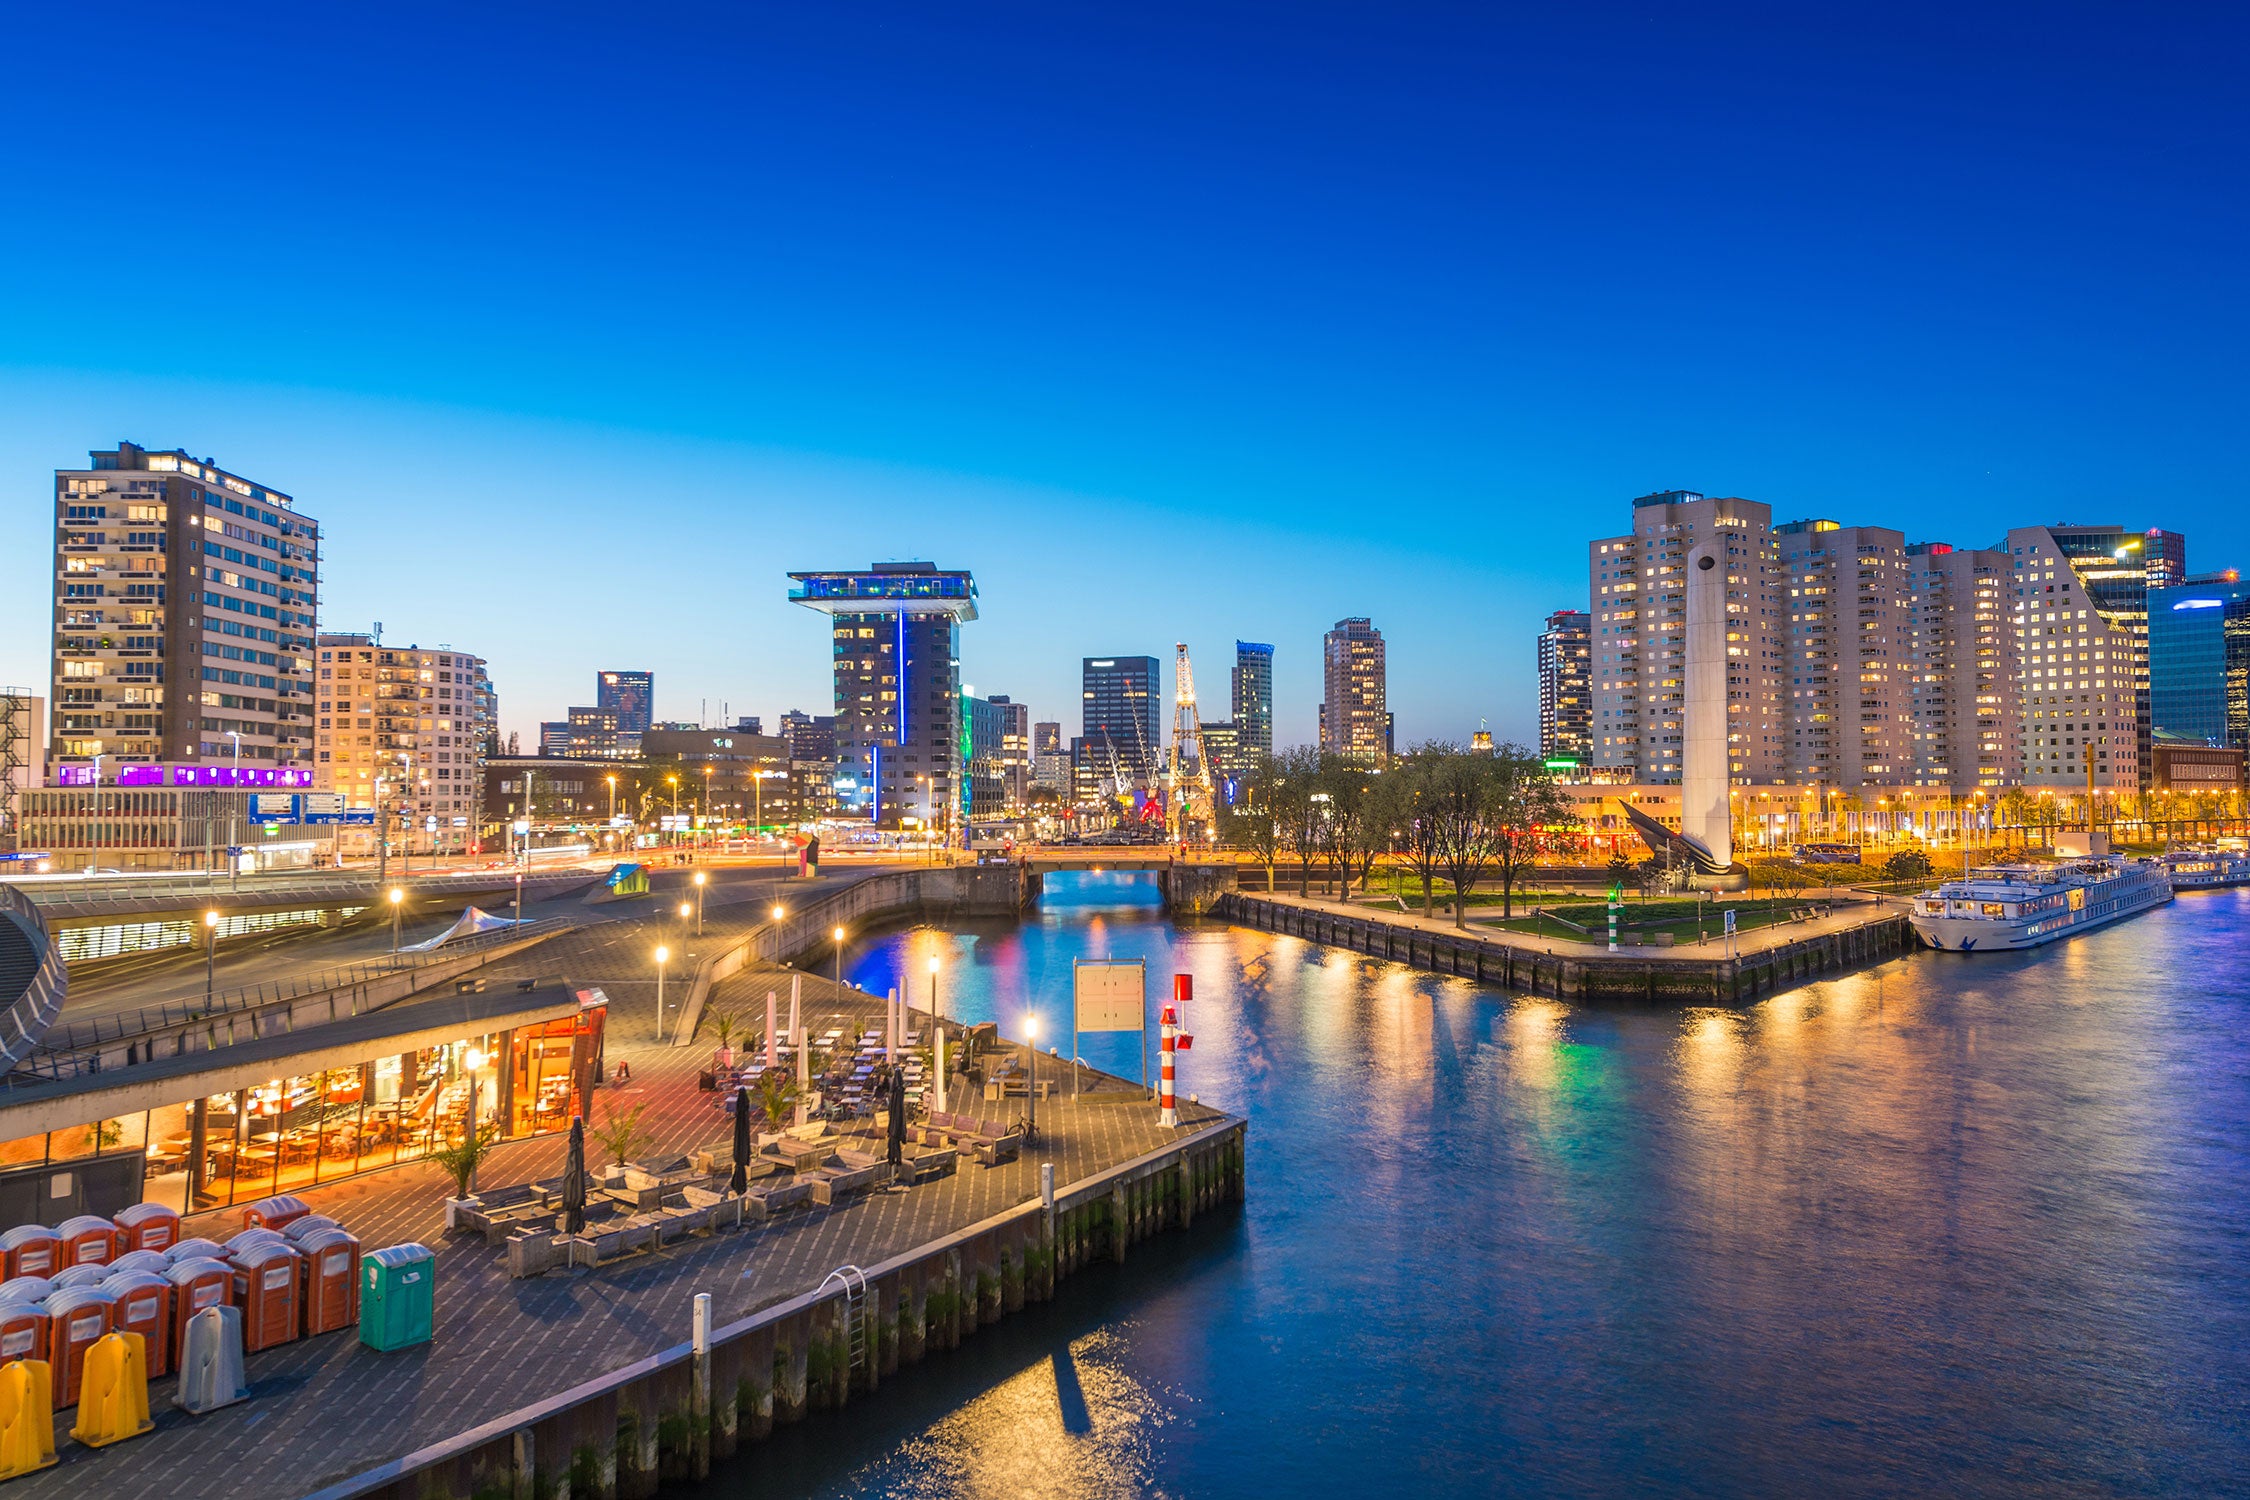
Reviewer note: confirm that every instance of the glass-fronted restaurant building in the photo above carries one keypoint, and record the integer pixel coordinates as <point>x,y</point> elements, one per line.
<point>274,1115</point>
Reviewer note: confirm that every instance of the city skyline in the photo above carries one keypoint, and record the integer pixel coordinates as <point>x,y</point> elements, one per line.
<point>1357,394</point>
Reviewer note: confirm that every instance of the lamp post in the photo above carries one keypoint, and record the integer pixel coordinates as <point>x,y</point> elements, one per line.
<point>397,897</point>
<point>473,1059</point>
<point>662,953</point>
<point>700,877</point>
<point>1031,1093</point>
<point>210,953</point>
<point>839,958</point>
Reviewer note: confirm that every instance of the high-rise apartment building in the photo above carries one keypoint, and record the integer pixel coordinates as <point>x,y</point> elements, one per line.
<point>1354,719</point>
<point>1963,650</point>
<point>999,755</point>
<point>1638,586</point>
<point>1852,660</point>
<point>185,599</point>
<point>630,698</point>
<point>1566,688</point>
<point>895,634</point>
<point>2081,618</point>
<point>1253,698</point>
<point>405,730</point>
<point>1121,702</point>
<point>2199,662</point>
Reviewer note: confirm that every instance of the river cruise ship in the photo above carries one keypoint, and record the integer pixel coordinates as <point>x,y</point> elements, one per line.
<point>2022,906</point>
<point>2206,869</point>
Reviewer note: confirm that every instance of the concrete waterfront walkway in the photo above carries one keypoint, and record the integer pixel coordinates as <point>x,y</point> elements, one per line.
<point>324,1409</point>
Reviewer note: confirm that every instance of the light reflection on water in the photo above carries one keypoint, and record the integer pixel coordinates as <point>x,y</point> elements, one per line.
<point>1958,1224</point>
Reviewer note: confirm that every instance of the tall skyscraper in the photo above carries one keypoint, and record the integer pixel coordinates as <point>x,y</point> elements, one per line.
<point>185,599</point>
<point>1566,688</point>
<point>631,697</point>
<point>1963,698</point>
<point>2081,597</point>
<point>1852,662</point>
<point>2199,662</point>
<point>1638,585</point>
<point>1354,720</point>
<point>405,730</point>
<point>1121,698</point>
<point>1253,699</point>
<point>895,635</point>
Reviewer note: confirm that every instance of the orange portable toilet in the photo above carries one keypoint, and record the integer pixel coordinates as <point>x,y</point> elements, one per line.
<point>331,1280</point>
<point>23,1318</point>
<point>32,1250</point>
<point>197,1282</point>
<point>156,1262</point>
<point>276,1212</point>
<point>77,1318</point>
<point>269,1288</point>
<point>148,1226</point>
<point>299,1228</point>
<point>87,1240</point>
<point>196,1250</point>
<point>144,1306</point>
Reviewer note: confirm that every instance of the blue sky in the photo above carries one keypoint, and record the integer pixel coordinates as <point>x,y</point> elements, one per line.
<point>578,328</point>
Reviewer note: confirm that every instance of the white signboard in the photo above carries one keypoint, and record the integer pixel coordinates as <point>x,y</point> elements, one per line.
<point>1111,996</point>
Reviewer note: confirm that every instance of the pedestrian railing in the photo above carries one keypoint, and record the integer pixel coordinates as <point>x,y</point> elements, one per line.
<point>77,1048</point>
<point>32,1010</point>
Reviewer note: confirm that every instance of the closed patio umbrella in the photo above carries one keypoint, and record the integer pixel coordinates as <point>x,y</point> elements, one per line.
<point>574,1178</point>
<point>739,1183</point>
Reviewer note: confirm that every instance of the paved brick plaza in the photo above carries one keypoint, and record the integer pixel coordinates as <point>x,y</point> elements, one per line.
<point>326,1408</point>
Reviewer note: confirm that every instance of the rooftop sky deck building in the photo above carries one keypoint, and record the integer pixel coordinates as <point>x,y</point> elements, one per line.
<point>901,740</point>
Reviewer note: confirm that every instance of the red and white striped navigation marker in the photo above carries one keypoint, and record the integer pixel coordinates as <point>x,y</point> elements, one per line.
<point>1170,1039</point>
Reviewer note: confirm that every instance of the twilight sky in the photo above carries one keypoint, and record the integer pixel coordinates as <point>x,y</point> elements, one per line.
<point>579,326</point>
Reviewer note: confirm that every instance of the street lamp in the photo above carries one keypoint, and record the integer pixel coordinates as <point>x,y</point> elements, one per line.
<point>397,896</point>
<point>700,877</point>
<point>839,958</point>
<point>1031,1093</point>
<point>662,953</point>
<point>210,953</point>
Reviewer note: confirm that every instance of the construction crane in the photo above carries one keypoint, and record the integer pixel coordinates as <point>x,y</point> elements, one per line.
<point>1187,789</point>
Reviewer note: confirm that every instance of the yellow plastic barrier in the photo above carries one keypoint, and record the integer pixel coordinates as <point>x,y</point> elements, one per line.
<point>113,1393</point>
<point>27,1417</point>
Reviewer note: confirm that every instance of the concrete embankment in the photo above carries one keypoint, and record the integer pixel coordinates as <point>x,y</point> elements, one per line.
<point>1639,975</point>
<point>674,1414</point>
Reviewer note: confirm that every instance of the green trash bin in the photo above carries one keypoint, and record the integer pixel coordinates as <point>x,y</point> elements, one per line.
<point>396,1296</point>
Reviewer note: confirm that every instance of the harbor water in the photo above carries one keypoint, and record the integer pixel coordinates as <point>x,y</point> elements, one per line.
<point>1968,1224</point>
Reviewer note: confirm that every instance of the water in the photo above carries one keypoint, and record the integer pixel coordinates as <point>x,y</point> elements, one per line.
<point>1955,1225</point>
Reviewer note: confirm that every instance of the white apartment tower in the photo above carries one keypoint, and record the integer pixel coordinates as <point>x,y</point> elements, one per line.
<point>184,605</point>
<point>2080,597</point>
<point>1642,651</point>
<point>404,730</point>
<point>1964,689</point>
<point>1852,656</point>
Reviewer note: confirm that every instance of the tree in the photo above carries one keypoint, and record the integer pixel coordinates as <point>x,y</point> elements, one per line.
<point>620,1133</point>
<point>461,1159</point>
<point>1299,813</point>
<point>1417,830</point>
<point>1252,825</point>
<point>1357,828</point>
<point>776,1094</point>
<point>1526,808</point>
<point>1907,864</point>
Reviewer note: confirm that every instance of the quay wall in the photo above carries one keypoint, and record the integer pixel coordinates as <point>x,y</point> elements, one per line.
<point>1638,975</point>
<point>676,1413</point>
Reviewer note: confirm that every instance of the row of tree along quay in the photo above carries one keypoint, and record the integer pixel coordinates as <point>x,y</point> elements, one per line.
<point>1448,816</point>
